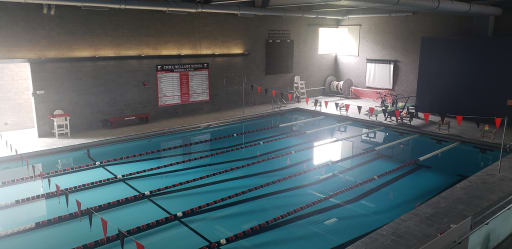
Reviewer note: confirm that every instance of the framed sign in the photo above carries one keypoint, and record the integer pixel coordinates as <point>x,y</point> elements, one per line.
<point>182,83</point>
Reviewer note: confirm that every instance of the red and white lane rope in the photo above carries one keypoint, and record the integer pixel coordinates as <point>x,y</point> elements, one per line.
<point>111,180</point>
<point>238,236</point>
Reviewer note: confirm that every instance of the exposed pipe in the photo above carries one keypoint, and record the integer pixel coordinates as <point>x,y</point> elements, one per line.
<point>180,6</point>
<point>449,6</point>
<point>436,5</point>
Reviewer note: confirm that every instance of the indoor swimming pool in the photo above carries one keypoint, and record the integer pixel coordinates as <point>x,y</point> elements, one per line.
<point>292,179</point>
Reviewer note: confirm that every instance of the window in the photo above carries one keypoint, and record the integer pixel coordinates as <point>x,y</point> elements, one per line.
<point>379,74</point>
<point>343,40</point>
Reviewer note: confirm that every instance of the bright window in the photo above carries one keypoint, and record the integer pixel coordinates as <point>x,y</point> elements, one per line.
<point>343,40</point>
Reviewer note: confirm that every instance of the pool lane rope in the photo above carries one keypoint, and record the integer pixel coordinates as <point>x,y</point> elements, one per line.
<point>158,192</point>
<point>244,234</point>
<point>267,225</point>
<point>166,190</point>
<point>110,180</point>
<point>54,173</point>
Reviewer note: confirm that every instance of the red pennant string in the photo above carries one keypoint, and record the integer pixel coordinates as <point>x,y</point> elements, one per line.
<point>459,119</point>
<point>426,115</point>
<point>326,103</point>
<point>307,100</point>
<point>104,225</point>
<point>259,89</point>
<point>139,245</point>
<point>347,106</point>
<point>497,121</point>
<point>289,97</point>
<point>397,114</point>
<point>371,111</point>
<point>273,92</point>
<point>79,206</point>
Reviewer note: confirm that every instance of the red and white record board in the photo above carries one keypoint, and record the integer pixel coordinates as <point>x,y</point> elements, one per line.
<point>182,83</point>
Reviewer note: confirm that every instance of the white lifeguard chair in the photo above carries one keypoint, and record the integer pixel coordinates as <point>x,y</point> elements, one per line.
<point>60,123</point>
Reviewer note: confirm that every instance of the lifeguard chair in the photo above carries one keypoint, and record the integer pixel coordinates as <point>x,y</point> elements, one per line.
<point>60,123</point>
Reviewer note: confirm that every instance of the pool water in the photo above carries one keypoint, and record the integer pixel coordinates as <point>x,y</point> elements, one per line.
<point>299,151</point>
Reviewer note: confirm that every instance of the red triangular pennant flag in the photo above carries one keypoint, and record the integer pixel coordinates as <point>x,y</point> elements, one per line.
<point>121,237</point>
<point>273,92</point>
<point>359,109</point>
<point>66,194</point>
<point>90,218</point>
<point>497,121</point>
<point>79,206</point>
<point>104,226</point>
<point>347,106</point>
<point>326,103</point>
<point>371,110</point>
<point>289,97</point>
<point>426,115</point>
<point>397,114</point>
<point>139,245</point>
<point>307,100</point>
<point>259,89</point>
<point>459,119</point>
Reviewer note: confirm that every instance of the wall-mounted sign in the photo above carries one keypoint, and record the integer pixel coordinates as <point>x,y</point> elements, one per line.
<point>182,83</point>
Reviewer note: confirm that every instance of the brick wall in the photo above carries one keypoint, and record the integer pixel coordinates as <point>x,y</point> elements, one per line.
<point>16,110</point>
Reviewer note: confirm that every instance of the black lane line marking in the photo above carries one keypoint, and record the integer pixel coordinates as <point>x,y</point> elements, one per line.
<point>324,209</point>
<point>197,152</point>
<point>197,213</point>
<point>89,155</point>
<point>162,208</point>
<point>74,189</point>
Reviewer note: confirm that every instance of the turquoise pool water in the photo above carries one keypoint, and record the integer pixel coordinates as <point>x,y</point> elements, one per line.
<point>316,230</point>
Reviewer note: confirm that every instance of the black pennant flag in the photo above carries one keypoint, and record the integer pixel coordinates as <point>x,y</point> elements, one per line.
<point>316,102</point>
<point>266,91</point>
<point>34,170</point>
<point>66,193</point>
<point>443,116</point>
<point>477,123</point>
<point>49,183</point>
<point>252,88</point>
<point>359,108</point>
<point>121,235</point>
<point>90,217</point>
<point>337,105</point>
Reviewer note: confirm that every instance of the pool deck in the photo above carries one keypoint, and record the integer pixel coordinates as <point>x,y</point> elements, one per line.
<point>26,141</point>
<point>470,198</point>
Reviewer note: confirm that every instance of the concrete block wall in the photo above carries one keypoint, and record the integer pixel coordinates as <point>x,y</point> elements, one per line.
<point>398,38</point>
<point>92,90</point>
<point>16,110</point>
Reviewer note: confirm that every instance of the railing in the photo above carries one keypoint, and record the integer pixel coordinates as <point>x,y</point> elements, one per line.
<point>478,232</point>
